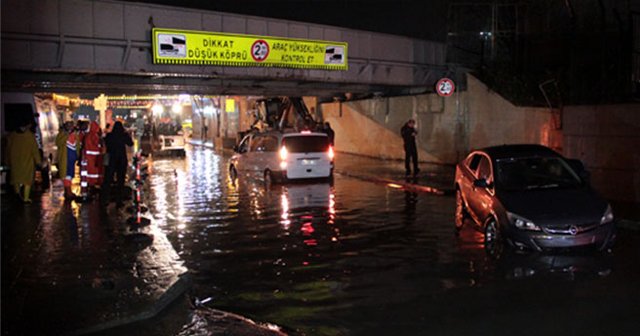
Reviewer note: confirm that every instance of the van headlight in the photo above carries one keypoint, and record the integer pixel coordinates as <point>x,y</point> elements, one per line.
<point>522,223</point>
<point>608,216</point>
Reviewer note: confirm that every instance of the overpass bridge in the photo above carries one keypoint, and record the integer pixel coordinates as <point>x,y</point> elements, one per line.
<point>106,46</point>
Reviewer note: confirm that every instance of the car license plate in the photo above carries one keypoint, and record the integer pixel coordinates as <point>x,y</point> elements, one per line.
<point>308,162</point>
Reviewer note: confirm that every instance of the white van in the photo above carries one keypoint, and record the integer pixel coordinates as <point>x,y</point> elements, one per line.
<point>170,140</point>
<point>281,156</point>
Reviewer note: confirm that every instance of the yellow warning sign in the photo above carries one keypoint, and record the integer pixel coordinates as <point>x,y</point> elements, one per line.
<point>230,106</point>
<point>172,46</point>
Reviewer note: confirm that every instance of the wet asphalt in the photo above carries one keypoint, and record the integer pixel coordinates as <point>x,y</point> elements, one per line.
<point>348,257</point>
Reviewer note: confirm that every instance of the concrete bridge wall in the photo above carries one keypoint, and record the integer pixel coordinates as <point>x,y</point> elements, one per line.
<point>448,128</point>
<point>113,37</point>
<point>606,138</point>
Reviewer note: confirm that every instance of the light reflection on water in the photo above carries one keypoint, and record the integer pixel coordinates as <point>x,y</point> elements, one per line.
<point>320,258</point>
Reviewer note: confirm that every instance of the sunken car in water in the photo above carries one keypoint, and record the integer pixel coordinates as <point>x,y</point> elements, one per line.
<point>530,197</point>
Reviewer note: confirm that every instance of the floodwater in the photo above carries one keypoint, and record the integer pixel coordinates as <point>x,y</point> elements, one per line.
<point>357,258</point>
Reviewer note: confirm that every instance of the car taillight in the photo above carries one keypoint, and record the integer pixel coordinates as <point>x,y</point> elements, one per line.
<point>283,153</point>
<point>331,153</point>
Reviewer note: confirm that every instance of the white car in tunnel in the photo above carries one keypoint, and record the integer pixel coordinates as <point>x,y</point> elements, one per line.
<point>279,156</point>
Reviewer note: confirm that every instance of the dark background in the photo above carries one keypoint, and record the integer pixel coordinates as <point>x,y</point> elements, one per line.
<point>586,51</point>
<point>424,19</point>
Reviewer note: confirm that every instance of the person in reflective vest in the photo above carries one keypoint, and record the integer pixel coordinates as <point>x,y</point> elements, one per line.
<point>61,144</point>
<point>73,145</point>
<point>92,153</point>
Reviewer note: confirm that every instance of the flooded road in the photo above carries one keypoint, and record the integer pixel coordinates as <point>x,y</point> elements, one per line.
<point>354,258</point>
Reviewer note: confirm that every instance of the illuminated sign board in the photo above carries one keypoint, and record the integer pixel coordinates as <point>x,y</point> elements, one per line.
<point>230,106</point>
<point>188,47</point>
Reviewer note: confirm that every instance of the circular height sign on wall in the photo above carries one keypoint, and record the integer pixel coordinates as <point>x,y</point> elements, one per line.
<point>445,87</point>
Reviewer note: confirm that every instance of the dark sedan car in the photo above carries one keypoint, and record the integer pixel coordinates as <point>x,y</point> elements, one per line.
<point>529,196</point>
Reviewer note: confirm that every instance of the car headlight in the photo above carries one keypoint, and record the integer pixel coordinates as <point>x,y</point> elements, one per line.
<point>608,216</point>
<point>522,223</point>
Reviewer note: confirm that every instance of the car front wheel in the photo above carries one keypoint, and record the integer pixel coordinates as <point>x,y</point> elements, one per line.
<point>493,242</point>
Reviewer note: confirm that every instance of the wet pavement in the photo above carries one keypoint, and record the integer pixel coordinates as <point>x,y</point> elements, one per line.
<point>369,253</point>
<point>432,178</point>
<point>72,268</point>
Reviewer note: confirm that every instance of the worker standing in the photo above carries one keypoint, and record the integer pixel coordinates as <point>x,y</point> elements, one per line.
<point>116,141</point>
<point>61,144</point>
<point>23,156</point>
<point>92,150</point>
<point>73,145</point>
<point>409,133</point>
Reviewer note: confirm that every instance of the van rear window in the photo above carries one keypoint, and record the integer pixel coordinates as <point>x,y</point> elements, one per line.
<point>306,144</point>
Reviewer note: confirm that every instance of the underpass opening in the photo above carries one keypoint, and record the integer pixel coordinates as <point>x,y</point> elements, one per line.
<point>217,121</point>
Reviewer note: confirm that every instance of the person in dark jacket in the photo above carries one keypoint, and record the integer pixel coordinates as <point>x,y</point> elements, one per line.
<point>409,133</point>
<point>116,142</point>
<point>330,133</point>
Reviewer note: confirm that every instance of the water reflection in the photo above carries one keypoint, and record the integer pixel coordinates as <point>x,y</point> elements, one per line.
<point>309,207</point>
<point>563,266</point>
<point>410,200</point>
<point>188,185</point>
<point>332,259</point>
<point>510,264</point>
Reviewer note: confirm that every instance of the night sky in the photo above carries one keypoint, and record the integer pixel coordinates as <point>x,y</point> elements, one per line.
<point>424,19</point>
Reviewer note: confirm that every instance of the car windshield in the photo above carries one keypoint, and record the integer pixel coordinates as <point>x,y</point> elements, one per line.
<point>306,144</point>
<point>531,173</point>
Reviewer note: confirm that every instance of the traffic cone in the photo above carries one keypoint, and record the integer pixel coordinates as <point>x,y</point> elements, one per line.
<point>84,184</point>
<point>138,221</point>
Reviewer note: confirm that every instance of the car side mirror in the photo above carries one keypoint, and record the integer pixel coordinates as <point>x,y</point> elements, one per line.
<point>585,176</point>
<point>578,167</point>
<point>235,148</point>
<point>482,183</point>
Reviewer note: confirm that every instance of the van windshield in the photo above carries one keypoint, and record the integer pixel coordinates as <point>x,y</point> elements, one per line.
<point>306,144</point>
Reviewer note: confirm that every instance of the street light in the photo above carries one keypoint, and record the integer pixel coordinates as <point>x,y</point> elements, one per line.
<point>176,108</point>
<point>157,109</point>
<point>484,37</point>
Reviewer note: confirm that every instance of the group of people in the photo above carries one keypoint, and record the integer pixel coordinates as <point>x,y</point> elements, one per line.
<point>79,143</point>
<point>100,158</point>
<point>103,158</point>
